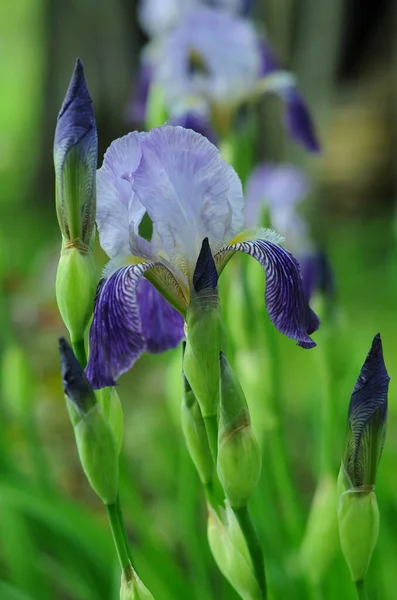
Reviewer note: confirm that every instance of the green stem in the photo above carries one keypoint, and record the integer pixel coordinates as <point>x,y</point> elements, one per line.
<point>119,540</point>
<point>79,350</point>
<point>211,427</point>
<point>278,458</point>
<point>254,546</point>
<point>361,592</point>
<point>122,527</point>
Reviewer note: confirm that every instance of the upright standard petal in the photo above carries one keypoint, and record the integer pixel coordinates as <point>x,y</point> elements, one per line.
<point>161,324</point>
<point>211,55</point>
<point>156,17</point>
<point>189,192</point>
<point>366,428</point>
<point>116,338</point>
<point>118,210</point>
<point>286,302</point>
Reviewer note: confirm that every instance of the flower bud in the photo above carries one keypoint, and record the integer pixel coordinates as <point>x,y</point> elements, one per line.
<point>75,161</point>
<point>358,514</point>
<point>201,362</point>
<point>96,443</point>
<point>239,457</point>
<point>75,290</point>
<point>113,412</point>
<point>195,433</point>
<point>134,589</point>
<point>321,535</point>
<point>358,519</point>
<point>231,554</point>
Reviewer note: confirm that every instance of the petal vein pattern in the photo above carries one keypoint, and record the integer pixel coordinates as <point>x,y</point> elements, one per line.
<point>286,302</point>
<point>116,339</point>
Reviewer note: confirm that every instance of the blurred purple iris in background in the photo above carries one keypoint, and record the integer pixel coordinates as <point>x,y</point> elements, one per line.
<point>218,58</point>
<point>278,190</point>
<point>190,194</point>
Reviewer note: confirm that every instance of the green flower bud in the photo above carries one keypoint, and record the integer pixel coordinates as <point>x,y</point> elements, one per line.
<point>134,589</point>
<point>96,443</point>
<point>321,535</point>
<point>75,161</point>
<point>75,289</point>
<point>113,411</point>
<point>358,513</point>
<point>195,433</point>
<point>239,458</point>
<point>201,364</point>
<point>231,554</point>
<point>358,518</point>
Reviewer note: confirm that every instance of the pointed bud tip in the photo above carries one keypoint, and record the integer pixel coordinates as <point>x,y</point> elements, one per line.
<point>205,274</point>
<point>77,91</point>
<point>75,383</point>
<point>373,372</point>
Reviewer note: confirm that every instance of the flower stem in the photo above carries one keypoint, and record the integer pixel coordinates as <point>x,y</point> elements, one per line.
<point>119,540</point>
<point>122,527</point>
<point>254,546</point>
<point>361,592</point>
<point>211,427</point>
<point>79,350</point>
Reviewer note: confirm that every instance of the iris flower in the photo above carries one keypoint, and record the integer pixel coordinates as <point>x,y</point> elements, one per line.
<point>220,58</point>
<point>191,195</point>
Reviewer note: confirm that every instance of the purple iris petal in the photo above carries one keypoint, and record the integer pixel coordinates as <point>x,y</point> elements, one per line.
<point>286,302</point>
<point>298,121</point>
<point>161,324</point>
<point>268,60</point>
<point>317,274</point>
<point>197,122</point>
<point>137,109</point>
<point>116,339</point>
<point>367,418</point>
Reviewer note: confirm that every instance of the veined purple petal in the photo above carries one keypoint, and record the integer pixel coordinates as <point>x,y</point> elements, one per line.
<point>119,211</point>
<point>286,302</point>
<point>189,192</point>
<point>298,121</point>
<point>116,338</point>
<point>161,324</point>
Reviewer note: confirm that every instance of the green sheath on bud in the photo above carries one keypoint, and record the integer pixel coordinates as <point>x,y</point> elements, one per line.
<point>113,411</point>
<point>75,289</point>
<point>133,589</point>
<point>196,435</point>
<point>231,554</point>
<point>239,457</point>
<point>321,536</point>
<point>358,514</point>
<point>358,519</point>
<point>96,443</point>
<point>201,365</point>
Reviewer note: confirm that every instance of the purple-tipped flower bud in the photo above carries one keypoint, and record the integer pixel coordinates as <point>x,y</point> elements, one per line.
<point>96,442</point>
<point>366,428</point>
<point>75,161</point>
<point>201,362</point>
<point>358,513</point>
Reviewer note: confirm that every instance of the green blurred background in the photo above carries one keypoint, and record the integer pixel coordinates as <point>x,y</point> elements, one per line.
<point>54,538</point>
